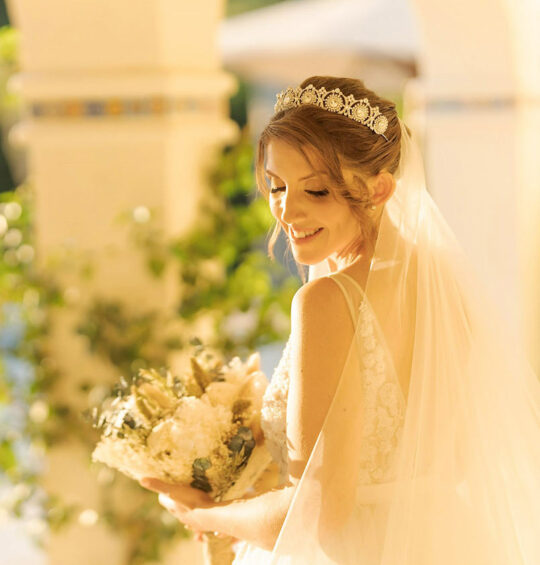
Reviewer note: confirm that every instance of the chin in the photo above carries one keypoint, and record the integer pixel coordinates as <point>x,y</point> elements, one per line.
<point>304,259</point>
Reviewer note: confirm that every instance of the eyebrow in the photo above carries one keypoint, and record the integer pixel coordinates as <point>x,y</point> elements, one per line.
<point>314,174</point>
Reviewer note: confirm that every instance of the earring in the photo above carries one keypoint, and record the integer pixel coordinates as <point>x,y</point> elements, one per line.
<point>373,207</point>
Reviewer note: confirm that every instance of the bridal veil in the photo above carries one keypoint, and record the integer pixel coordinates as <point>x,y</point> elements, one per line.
<point>430,450</point>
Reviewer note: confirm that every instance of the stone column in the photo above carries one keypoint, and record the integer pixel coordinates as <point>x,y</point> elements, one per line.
<point>127,105</point>
<point>479,98</point>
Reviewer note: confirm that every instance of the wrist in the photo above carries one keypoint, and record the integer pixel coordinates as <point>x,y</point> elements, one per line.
<point>219,518</point>
<point>209,519</point>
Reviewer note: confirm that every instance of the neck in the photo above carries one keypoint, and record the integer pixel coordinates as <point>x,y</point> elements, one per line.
<point>339,263</point>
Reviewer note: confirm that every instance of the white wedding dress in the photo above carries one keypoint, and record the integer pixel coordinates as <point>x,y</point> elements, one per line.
<point>383,436</point>
<point>274,426</point>
<point>430,451</point>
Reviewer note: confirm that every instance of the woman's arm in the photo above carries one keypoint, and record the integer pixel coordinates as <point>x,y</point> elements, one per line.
<point>257,519</point>
<point>321,332</point>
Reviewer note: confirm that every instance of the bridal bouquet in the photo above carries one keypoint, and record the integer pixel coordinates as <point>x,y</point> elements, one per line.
<point>200,428</point>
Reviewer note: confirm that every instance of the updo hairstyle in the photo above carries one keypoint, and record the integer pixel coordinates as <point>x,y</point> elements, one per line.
<point>336,141</point>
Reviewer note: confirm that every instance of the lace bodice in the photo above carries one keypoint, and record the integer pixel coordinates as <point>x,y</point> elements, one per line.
<point>384,402</point>
<point>274,413</point>
<point>384,406</point>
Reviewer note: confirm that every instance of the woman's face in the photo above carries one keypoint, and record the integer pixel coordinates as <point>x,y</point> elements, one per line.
<point>303,206</point>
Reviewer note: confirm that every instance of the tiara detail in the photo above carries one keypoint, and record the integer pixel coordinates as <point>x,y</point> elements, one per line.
<point>334,101</point>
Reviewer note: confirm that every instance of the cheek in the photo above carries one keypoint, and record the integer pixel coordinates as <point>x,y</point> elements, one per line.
<point>341,218</point>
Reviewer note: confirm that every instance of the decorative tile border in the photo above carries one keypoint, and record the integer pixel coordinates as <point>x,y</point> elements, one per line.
<point>151,106</point>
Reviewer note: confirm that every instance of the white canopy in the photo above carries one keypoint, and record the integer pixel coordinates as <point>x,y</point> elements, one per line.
<point>291,40</point>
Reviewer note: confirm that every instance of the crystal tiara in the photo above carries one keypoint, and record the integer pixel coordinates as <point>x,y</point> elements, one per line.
<point>334,101</point>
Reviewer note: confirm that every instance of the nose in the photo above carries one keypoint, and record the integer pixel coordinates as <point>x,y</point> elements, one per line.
<point>291,208</point>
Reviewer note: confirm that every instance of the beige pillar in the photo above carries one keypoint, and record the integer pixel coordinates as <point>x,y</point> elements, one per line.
<point>127,104</point>
<point>479,95</point>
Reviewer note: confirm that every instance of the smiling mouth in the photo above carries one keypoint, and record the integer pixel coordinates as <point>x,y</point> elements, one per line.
<point>299,239</point>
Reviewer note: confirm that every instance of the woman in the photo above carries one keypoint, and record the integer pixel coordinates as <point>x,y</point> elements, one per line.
<point>403,415</point>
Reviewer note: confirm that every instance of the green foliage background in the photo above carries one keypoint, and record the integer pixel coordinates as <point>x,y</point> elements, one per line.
<point>231,234</point>
<point>223,271</point>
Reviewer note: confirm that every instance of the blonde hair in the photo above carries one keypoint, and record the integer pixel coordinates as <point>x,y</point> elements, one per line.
<point>337,142</point>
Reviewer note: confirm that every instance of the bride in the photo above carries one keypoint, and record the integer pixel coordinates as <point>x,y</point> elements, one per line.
<point>403,414</point>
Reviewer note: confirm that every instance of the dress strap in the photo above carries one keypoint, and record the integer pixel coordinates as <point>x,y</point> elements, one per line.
<point>357,284</point>
<point>348,299</point>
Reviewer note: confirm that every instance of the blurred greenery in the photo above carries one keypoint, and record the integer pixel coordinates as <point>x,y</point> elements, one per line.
<point>235,7</point>
<point>4,18</point>
<point>9,40</point>
<point>223,272</point>
<point>238,103</point>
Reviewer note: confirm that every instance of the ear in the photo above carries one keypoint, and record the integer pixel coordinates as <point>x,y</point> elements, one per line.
<point>382,187</point>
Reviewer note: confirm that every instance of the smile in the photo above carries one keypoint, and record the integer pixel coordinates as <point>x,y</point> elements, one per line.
<point>299,239</point>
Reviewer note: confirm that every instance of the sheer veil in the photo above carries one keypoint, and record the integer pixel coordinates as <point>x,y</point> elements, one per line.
<point>430,451</point>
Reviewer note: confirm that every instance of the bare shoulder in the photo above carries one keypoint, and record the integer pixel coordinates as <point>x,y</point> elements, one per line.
<point>320,319</point>
<point>320,299</point>
<point>321,332</point>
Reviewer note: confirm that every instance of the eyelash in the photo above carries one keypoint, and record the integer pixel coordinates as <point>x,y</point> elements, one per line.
<point>317,193</point>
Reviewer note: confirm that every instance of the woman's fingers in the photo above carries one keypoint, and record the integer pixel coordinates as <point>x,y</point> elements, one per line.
<point>180,500</point>
<point>172,505</point>
<point>185,495</point>
<point>160,486</point>
<point>198,535</point>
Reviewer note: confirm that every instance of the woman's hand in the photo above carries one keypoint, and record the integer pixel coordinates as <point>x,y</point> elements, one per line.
<point>186,498</point>
<point>180,501</point>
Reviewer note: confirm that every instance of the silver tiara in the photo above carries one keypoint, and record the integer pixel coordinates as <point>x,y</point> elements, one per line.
<point>334,101</point>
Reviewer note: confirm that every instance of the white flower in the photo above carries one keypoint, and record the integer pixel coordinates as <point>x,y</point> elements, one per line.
<point>224,393</point>
<point>152,432</point>
<point>195,431</point>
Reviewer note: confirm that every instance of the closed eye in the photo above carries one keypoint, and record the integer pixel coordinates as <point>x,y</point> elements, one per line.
<point>317,193</point>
